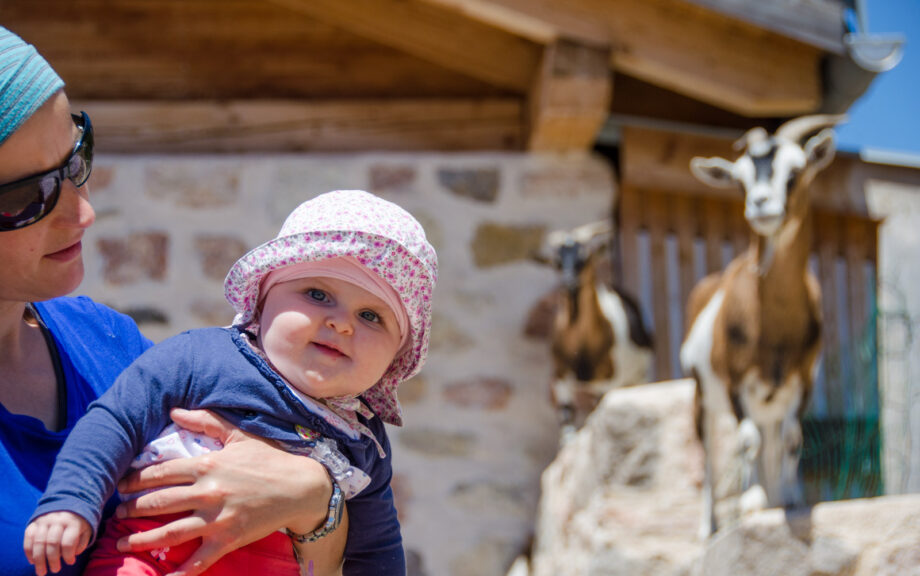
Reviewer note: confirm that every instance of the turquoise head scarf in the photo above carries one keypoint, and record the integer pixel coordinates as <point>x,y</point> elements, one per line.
<point>26,82</point>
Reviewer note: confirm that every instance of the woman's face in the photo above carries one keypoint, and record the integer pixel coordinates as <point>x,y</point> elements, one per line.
<point>45,259</point>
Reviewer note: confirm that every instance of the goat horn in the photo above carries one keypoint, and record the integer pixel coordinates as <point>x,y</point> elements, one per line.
<point>587,232</point>
<point>755,134</point>
<point>798,128</point>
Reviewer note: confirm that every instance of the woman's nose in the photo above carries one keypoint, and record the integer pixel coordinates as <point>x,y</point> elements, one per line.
<point>74,208</point>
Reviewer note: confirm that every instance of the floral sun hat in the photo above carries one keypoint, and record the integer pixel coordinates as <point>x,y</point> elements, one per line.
<point>380,235</point>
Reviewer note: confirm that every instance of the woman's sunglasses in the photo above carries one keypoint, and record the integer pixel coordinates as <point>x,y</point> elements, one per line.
<point>30,199</point>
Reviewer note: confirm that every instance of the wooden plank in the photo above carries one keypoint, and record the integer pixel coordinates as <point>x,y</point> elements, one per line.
<point>231,50</point>
<point>435,34</point>
<point>686,227</point>
<point>741,230</point>
<point>570,99</point>
<point>629,230</point>
<point>855,253</point>
<point>710,57</point>
<point>246,126</point>
<point>828,239</point>
<point>543,21</point>
<point>694,51</point>
<point>714,232</point>
<point>658,225</point>
<point>815,22</point>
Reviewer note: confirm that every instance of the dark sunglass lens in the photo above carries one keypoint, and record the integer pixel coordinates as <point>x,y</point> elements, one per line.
<point>28,202</point>
<point>78,169</point>
<point>81,163</point>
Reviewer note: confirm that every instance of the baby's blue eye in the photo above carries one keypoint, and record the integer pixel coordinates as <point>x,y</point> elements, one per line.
<point>370,316</point>
<point>317,294</point>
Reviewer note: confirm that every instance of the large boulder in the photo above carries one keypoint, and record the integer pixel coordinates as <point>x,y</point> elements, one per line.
<point>870,537</point>
<point>623,498</point>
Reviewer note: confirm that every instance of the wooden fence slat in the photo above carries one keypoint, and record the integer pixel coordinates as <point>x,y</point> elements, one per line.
<point>657,220</point>
<point>629,229</point>
<point>714,233</point>
<point>855,235</point>
<point>741,231</point>
<point>828,250</point>
<point>686,226</point>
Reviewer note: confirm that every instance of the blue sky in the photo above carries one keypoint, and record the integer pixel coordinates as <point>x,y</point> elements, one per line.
<point>887,116</point>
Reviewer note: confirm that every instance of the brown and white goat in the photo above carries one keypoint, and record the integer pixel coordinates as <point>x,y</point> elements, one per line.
<point>755,329</point>
<point>598,340</point>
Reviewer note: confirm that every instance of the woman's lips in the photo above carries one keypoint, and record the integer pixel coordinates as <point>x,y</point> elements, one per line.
<point>68,253</point>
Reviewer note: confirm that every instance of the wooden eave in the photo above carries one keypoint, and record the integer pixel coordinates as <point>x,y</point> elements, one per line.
<point>190,75</point>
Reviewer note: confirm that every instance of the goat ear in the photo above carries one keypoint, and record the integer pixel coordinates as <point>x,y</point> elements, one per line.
<point>716,172</point>
<point>820,149</point>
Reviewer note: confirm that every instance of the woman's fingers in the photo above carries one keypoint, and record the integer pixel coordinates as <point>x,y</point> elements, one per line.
<point>204,422</point>
<point>165,501</point>
<point>171,534</point>
<point>207,554</point>
<point>170,473</point>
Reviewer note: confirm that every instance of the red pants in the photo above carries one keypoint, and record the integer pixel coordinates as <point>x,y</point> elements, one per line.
<point>273,554</point>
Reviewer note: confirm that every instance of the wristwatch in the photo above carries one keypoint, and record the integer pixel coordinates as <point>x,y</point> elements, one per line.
<point>336,507</point>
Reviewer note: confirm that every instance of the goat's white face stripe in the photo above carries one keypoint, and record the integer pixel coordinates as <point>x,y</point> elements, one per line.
<point>764,175</point>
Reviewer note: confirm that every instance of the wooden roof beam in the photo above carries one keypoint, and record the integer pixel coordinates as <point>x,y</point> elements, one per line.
<point>199,126</point>
<point>676,44</point>
<point>570,100</point>
<point>710,57</point>
<point>434,34</point>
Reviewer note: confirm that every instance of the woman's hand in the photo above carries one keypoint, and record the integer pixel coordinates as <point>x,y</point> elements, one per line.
<point>235,496</point>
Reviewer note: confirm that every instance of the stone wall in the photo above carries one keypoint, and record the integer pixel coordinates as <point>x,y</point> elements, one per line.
<point>897,206</point>
<point>479,430</point>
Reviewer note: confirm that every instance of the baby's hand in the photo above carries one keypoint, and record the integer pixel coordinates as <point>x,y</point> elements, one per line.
<point>53,536</point>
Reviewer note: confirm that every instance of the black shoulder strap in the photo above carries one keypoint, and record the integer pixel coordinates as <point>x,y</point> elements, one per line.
<point>61,415</point>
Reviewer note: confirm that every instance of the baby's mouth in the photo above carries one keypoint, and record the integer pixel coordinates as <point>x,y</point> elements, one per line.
<point>328,349</point>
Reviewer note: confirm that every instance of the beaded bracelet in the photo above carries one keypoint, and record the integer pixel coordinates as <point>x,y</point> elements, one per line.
<point>336,507</point>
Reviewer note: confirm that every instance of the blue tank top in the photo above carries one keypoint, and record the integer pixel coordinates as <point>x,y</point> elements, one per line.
<point>94,345</point>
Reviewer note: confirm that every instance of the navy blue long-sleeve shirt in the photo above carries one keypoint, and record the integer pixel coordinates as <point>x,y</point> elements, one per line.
<point>214,368</point>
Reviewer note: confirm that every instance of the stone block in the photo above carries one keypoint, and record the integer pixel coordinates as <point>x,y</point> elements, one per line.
<point>480,184</point>
<point>136,257</point>
<point>568,180</point>
<point>438,443</point>
<point>194,185</point>
<point>484,393</point>
<point>412,391</point>
<point>495,244</point>
<point>541,317</point>
<point>218,253</point>
<point>392,178</point>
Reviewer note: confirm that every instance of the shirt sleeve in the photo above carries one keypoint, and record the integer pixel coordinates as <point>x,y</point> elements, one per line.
<point>99,450</point>
<point>374,537</point>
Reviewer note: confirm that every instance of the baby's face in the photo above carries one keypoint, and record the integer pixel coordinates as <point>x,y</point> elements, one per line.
<point>328,337</point>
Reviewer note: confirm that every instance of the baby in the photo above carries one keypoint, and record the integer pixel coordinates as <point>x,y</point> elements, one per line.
<point>331,316</point>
